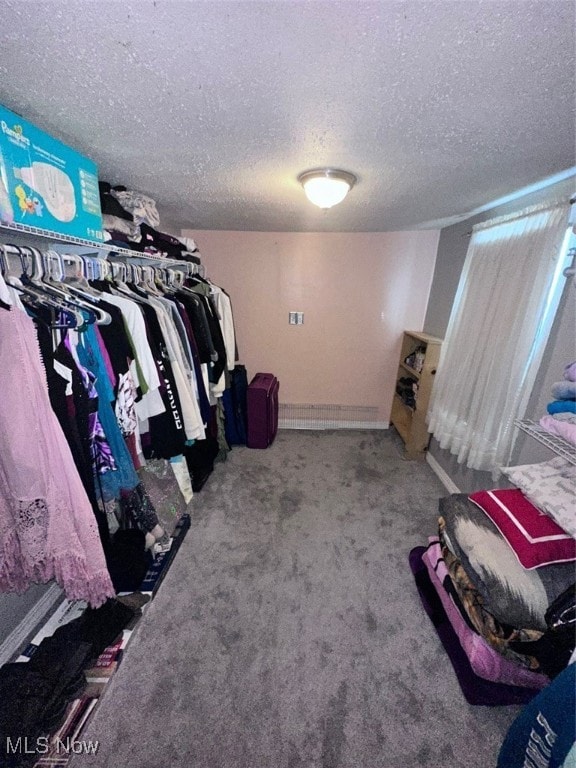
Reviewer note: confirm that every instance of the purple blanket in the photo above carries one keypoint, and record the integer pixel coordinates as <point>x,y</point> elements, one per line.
<point>484,660</point>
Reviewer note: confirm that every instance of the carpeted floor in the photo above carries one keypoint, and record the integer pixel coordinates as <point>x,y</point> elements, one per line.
<point>288,632</point>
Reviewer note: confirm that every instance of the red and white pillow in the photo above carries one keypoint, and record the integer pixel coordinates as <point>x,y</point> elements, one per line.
<point>534,537</point>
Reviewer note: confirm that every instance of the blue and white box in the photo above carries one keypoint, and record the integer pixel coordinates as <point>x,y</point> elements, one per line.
<point>44,183</point>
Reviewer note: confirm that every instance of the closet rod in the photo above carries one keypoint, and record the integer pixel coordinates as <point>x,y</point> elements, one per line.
<point>134,258</point>
<point>189,267</point>
<point>94,266</point>
<point>158,261</point>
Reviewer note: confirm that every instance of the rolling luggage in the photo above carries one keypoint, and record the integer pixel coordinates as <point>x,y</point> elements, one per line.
<point>234,403</point>
<point>262,410</point>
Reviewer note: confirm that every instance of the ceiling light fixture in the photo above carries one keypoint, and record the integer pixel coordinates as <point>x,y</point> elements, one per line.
<point>326,187</point>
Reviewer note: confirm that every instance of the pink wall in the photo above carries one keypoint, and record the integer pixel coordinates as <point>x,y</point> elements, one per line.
<point>358,293</point>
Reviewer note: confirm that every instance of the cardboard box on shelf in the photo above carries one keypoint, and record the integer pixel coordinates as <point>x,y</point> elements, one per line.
<point>46,184</point>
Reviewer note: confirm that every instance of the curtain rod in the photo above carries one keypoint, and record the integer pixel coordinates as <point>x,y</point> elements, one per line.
<point>529,211</point>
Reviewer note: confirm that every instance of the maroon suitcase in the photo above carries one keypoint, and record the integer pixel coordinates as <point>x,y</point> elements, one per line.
<point>262,410</point>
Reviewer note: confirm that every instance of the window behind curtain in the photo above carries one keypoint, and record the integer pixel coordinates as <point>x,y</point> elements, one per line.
<point>506,301</point>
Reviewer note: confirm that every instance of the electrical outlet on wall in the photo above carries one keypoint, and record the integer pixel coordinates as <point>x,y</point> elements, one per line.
<point>296,318</point>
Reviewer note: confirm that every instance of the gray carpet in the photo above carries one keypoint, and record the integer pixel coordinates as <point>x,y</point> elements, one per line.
<point>288,632</point>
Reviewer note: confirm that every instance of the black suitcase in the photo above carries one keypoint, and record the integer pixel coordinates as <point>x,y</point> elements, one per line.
<point>234,403</point>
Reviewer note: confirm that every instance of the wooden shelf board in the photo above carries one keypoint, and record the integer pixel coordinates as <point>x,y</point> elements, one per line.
<point>425,337</point>
<point>411,371</point>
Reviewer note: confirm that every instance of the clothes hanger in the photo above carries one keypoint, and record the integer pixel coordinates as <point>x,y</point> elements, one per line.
<point>55,279</point>
<point>136,285</point>
<point>170,280</point>
<point>148,280</point>
<point>51,271</point>
<point>121,275</point>
<point>161,279</point>
<point>119,271</point>
<point>96,267</point>
<point>86,296</point>
<point>32,297</point>
<point>43,282</point>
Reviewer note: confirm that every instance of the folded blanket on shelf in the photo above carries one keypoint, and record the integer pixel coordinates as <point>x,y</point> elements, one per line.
<point>142,207</point>
<point>116,224</point>
<point>561,406</point>
<point>570,372</point>
<point>564,429</point>
<point>570,417</point>
<point>564,390</point>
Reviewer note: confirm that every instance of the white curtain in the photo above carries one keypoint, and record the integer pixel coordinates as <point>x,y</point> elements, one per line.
<point>506,300</point>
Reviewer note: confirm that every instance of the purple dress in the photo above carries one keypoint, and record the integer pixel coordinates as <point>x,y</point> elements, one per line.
<point>47,526</point>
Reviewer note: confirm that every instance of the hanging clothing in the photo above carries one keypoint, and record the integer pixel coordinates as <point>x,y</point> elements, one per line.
<point>183,372</point>
<point>143,386</point>
<point>75,407</point>
<point>200,371</point>
<point>202,289</point>
<point>47,527</point>
<point>143,367</point>
<point>224,308</point>
<point>194,305</point>
<point>167,436</point>
<point>166,330</point>
<point>124,476</point>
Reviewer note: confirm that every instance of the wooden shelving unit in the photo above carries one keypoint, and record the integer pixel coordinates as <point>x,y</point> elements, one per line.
<point>409,420</point>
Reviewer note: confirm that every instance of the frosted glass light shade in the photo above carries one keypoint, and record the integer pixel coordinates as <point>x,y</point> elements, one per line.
<point>326,187</point>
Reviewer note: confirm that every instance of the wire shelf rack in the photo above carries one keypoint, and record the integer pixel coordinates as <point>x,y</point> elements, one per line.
<point>555,443</point>
<point>25,229</point>
<point>79,245</point>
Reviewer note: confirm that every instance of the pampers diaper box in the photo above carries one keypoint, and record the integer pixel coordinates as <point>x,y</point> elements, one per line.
<point>44,183</point>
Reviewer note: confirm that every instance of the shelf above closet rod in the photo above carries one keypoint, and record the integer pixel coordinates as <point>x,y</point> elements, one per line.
<point>101,246</point>
<point>555,443</point>
<point>25,229</point>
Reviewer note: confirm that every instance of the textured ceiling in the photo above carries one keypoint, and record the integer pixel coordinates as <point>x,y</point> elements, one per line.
<point>214,108</point>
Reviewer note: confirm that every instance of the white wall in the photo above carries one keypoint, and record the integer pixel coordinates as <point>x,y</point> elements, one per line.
<point>358,293</point>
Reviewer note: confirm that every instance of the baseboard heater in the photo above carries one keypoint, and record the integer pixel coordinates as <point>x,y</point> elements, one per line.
<point>313,416</point>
